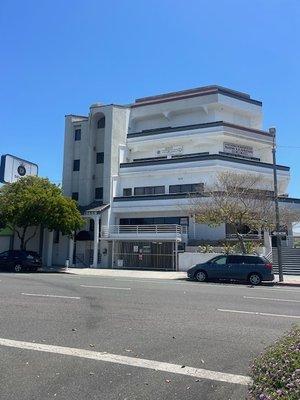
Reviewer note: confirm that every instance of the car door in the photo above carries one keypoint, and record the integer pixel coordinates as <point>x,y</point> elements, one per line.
<point>237,267</point>
<point>218,268</point>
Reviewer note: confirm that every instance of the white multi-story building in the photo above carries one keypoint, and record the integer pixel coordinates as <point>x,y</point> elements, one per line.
<point>131,169</point>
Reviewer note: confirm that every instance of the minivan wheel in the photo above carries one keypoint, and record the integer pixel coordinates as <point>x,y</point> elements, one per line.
<point>18,268</point>
<point>201,276</point>
<point>254,279</point>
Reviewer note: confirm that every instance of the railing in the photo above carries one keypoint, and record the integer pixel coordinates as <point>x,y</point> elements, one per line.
<point>249,236</point>
<point>143,230</point>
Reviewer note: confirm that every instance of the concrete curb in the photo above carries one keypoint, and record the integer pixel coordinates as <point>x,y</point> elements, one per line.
<point>289,284</point>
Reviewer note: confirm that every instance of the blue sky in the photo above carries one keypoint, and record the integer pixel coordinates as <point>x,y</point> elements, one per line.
<point>58,57</point>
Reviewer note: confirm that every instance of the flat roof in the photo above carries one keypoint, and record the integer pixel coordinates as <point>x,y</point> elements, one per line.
<point>199,91</point>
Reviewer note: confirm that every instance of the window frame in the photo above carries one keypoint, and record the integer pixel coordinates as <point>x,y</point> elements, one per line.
<point>100,157</point>
<point>100,189</point>
<point>77,134</point>
<point>76,165</point>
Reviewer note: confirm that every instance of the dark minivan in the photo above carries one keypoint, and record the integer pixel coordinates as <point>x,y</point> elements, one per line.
<point>20,260</point>
<point>251,268</point>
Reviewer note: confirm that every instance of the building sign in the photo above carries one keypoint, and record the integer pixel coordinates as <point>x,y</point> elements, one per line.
<point>13,168</point>
<point>169,151</point>
<point>239,149</point>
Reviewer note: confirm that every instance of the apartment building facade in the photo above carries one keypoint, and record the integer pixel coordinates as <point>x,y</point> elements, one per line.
<point>133,167</point>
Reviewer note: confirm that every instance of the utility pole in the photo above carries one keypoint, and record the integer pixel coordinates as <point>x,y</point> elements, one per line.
<point>279,253</point>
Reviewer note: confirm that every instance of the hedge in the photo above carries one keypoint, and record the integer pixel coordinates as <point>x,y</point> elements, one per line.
<point>276,372</point>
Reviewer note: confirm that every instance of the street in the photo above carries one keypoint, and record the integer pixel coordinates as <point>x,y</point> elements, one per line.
<point>65,336</point>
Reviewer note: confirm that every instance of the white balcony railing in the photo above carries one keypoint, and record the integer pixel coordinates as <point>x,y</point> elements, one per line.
<point>173,232</point>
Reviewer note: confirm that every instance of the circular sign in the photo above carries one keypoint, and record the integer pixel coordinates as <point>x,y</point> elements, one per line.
<point>21,170</point>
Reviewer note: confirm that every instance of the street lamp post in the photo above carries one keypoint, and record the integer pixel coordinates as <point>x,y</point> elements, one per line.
<point>279,253</point>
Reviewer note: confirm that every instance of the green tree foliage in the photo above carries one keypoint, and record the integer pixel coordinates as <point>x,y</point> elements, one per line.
<point>33,202</point>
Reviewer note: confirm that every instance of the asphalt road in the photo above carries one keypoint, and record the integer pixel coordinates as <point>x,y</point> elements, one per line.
<point>74,337</point>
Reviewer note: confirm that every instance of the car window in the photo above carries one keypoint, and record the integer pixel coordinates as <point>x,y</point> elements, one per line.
<point>5,254</point>
<point>220,261</point>
<point>237,260</point>
<point>254,260</point>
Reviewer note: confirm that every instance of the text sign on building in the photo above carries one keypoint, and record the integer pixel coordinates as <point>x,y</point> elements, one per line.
<point>13,168</point>
<point>239,149</point>
<point>169,151</point>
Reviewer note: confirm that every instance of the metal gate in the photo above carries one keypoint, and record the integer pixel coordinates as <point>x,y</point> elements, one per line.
<point>145,255</point>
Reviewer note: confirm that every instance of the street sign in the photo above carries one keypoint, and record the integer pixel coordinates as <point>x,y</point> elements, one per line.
<point>13,168</point>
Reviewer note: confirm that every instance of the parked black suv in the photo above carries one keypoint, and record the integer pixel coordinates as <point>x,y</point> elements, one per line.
<point>19,261</point>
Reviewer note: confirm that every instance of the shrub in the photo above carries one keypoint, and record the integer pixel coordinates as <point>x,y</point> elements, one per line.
<point>276,372</point>
<point>205,249</point>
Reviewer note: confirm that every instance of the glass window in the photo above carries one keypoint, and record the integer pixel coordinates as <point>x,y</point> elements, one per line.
<point>101,123</point>
<point>77,134</point>
<point>99,193</point>
<point>159,189</point>
<point>236,260</point>
<point>76,165</point>
<point>254,260</point>
<point>127,192</point>
<point>138,191</point>
<point>75,196</point>
<point>100,158</point>
<point>221,260</point>
<point>5,254</point>
<point>174,189</point>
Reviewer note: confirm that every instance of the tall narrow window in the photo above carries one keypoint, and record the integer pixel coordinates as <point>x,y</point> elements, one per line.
<point>75,196</point>
<point>77,134</point>
<point>76,165</point>
<point>101,123</point>
<point>99,158</point>
<point>99,193</point>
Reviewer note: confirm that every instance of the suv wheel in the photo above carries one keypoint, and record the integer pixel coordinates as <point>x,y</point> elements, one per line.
<point>201,276</point>
<point>18,268</point>
<point>254,279</point>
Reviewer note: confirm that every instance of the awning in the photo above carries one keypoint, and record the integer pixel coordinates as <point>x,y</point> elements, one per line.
<point>96,210</point>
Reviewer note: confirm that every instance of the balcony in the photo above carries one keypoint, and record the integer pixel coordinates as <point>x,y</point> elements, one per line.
<point>176,233</point>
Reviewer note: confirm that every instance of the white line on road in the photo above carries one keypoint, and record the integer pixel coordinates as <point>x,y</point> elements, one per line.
<point>133,362</point>
<point>51,295</point>
<point>258,313</point>
<point>269,298</point>
<point>106,287</point>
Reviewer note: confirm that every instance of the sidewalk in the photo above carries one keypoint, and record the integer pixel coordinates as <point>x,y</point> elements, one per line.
<point>289,280</point>
<point>128,273</point>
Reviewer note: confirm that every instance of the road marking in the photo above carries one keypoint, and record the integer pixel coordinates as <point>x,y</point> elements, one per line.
<point>259,313</point>
<point>51,295</point>
<point>269,298</point>
<point>131,361</point>
<point>106,287</point>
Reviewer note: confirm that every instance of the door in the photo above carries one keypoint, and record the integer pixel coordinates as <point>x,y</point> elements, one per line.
<point>218,268</point>
<point>238,267</point>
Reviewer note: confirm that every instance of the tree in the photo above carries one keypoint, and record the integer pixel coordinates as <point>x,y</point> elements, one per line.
<point>239,200</point>
<point>34,202</point>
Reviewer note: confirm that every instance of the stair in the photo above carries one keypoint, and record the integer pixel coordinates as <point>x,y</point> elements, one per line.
<point>290,261</point>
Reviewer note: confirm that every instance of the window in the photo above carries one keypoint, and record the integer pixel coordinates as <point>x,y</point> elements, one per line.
<point>99,158</point>
<point>127,192</point>
<point>148,190</point>
<point>76,165</point>
<point>220,260</point>
<point>75,196</point>
<point>99,193</point>
<point>56,236</point>
<point>187,188</point>
<point>77,134</point>
<point>236,260</point>
<point>101,123</point>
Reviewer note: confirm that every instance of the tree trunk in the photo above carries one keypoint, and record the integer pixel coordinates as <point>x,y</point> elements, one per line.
<point>241,242</point>
<point>22,239</point>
